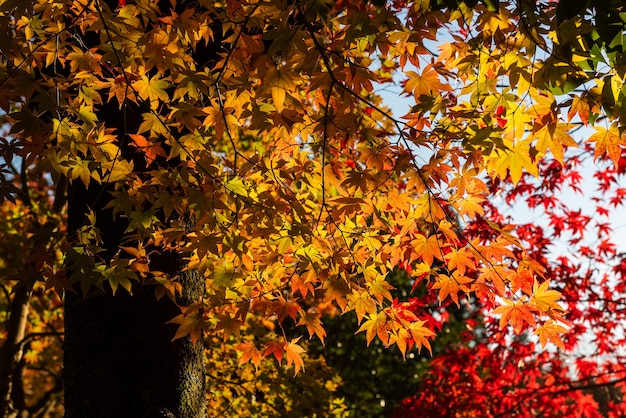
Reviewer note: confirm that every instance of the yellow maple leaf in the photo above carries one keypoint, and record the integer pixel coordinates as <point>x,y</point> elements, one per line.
<point>514,159</point>
<point>375,325</point>
<point>554,136</point>
<point>152,89</point>
<point>313,324</point>
<point>544,298</point>
<point>379,289</point>
<point>495,21</point>
<point>543,104</point>
<point>31,357</point>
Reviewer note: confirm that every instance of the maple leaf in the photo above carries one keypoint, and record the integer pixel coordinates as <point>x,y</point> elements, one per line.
<point>550,332</point>
<point>544,298</point>
<point>543,105</point>
<point>292,353</point>
<point>362,303</point>
<point>154,124</point>
<point>514,159</point>
<point>150,150</point>
<point>470,206</point>
<point>428,248</point>
<point>496,275</point>
<point>304,283</point>
<point>522,279</point>
<point>152,89</point>
<point>31,356</point>
<point>60,283</point>
<point>313,324</point>
<point>609,141</point>
<point>378,288</point>
<point>399,337</point>
<point>231,326</point>
<point>276,348</point>
<point>581,107</point>
<point>460,260</point>
<point>420,335</point>
<point>249,353</point>
<point>426,83</point>
<point>515,313</point>
<point>554,136</point>
<point>375,325</point>
<point>451,285</point>
<point>190,322</point>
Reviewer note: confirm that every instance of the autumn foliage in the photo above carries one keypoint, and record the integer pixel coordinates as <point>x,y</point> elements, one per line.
<point>254,139</point>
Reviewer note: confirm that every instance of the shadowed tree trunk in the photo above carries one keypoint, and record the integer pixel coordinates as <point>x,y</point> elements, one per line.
<point>12,347</point>
<point>120,360</point>
<point>119,357</point>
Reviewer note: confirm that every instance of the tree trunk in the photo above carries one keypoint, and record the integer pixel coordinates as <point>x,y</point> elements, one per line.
<point>119,358</point>
<point>12,347</point>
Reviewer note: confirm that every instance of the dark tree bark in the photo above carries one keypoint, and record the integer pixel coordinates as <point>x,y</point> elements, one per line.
<point>120,361</point>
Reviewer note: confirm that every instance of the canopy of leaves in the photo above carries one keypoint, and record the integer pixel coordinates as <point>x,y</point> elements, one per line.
<point>261,120</point>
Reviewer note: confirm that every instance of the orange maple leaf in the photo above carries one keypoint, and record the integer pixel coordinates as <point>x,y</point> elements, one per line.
<point>292,353</point>
<point>190,322</point>
<point>313,325</point>
<point>460,260</point>
<point>581,107</point>
<point>428,248</point>
<point>451,285</point>
<point>608,141</point>
<point>550,332</point>
<point>426,83</point>
<point>150,150</point>
<point>515,313</point>
<point>249,353</point>
<point>420,335</point>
